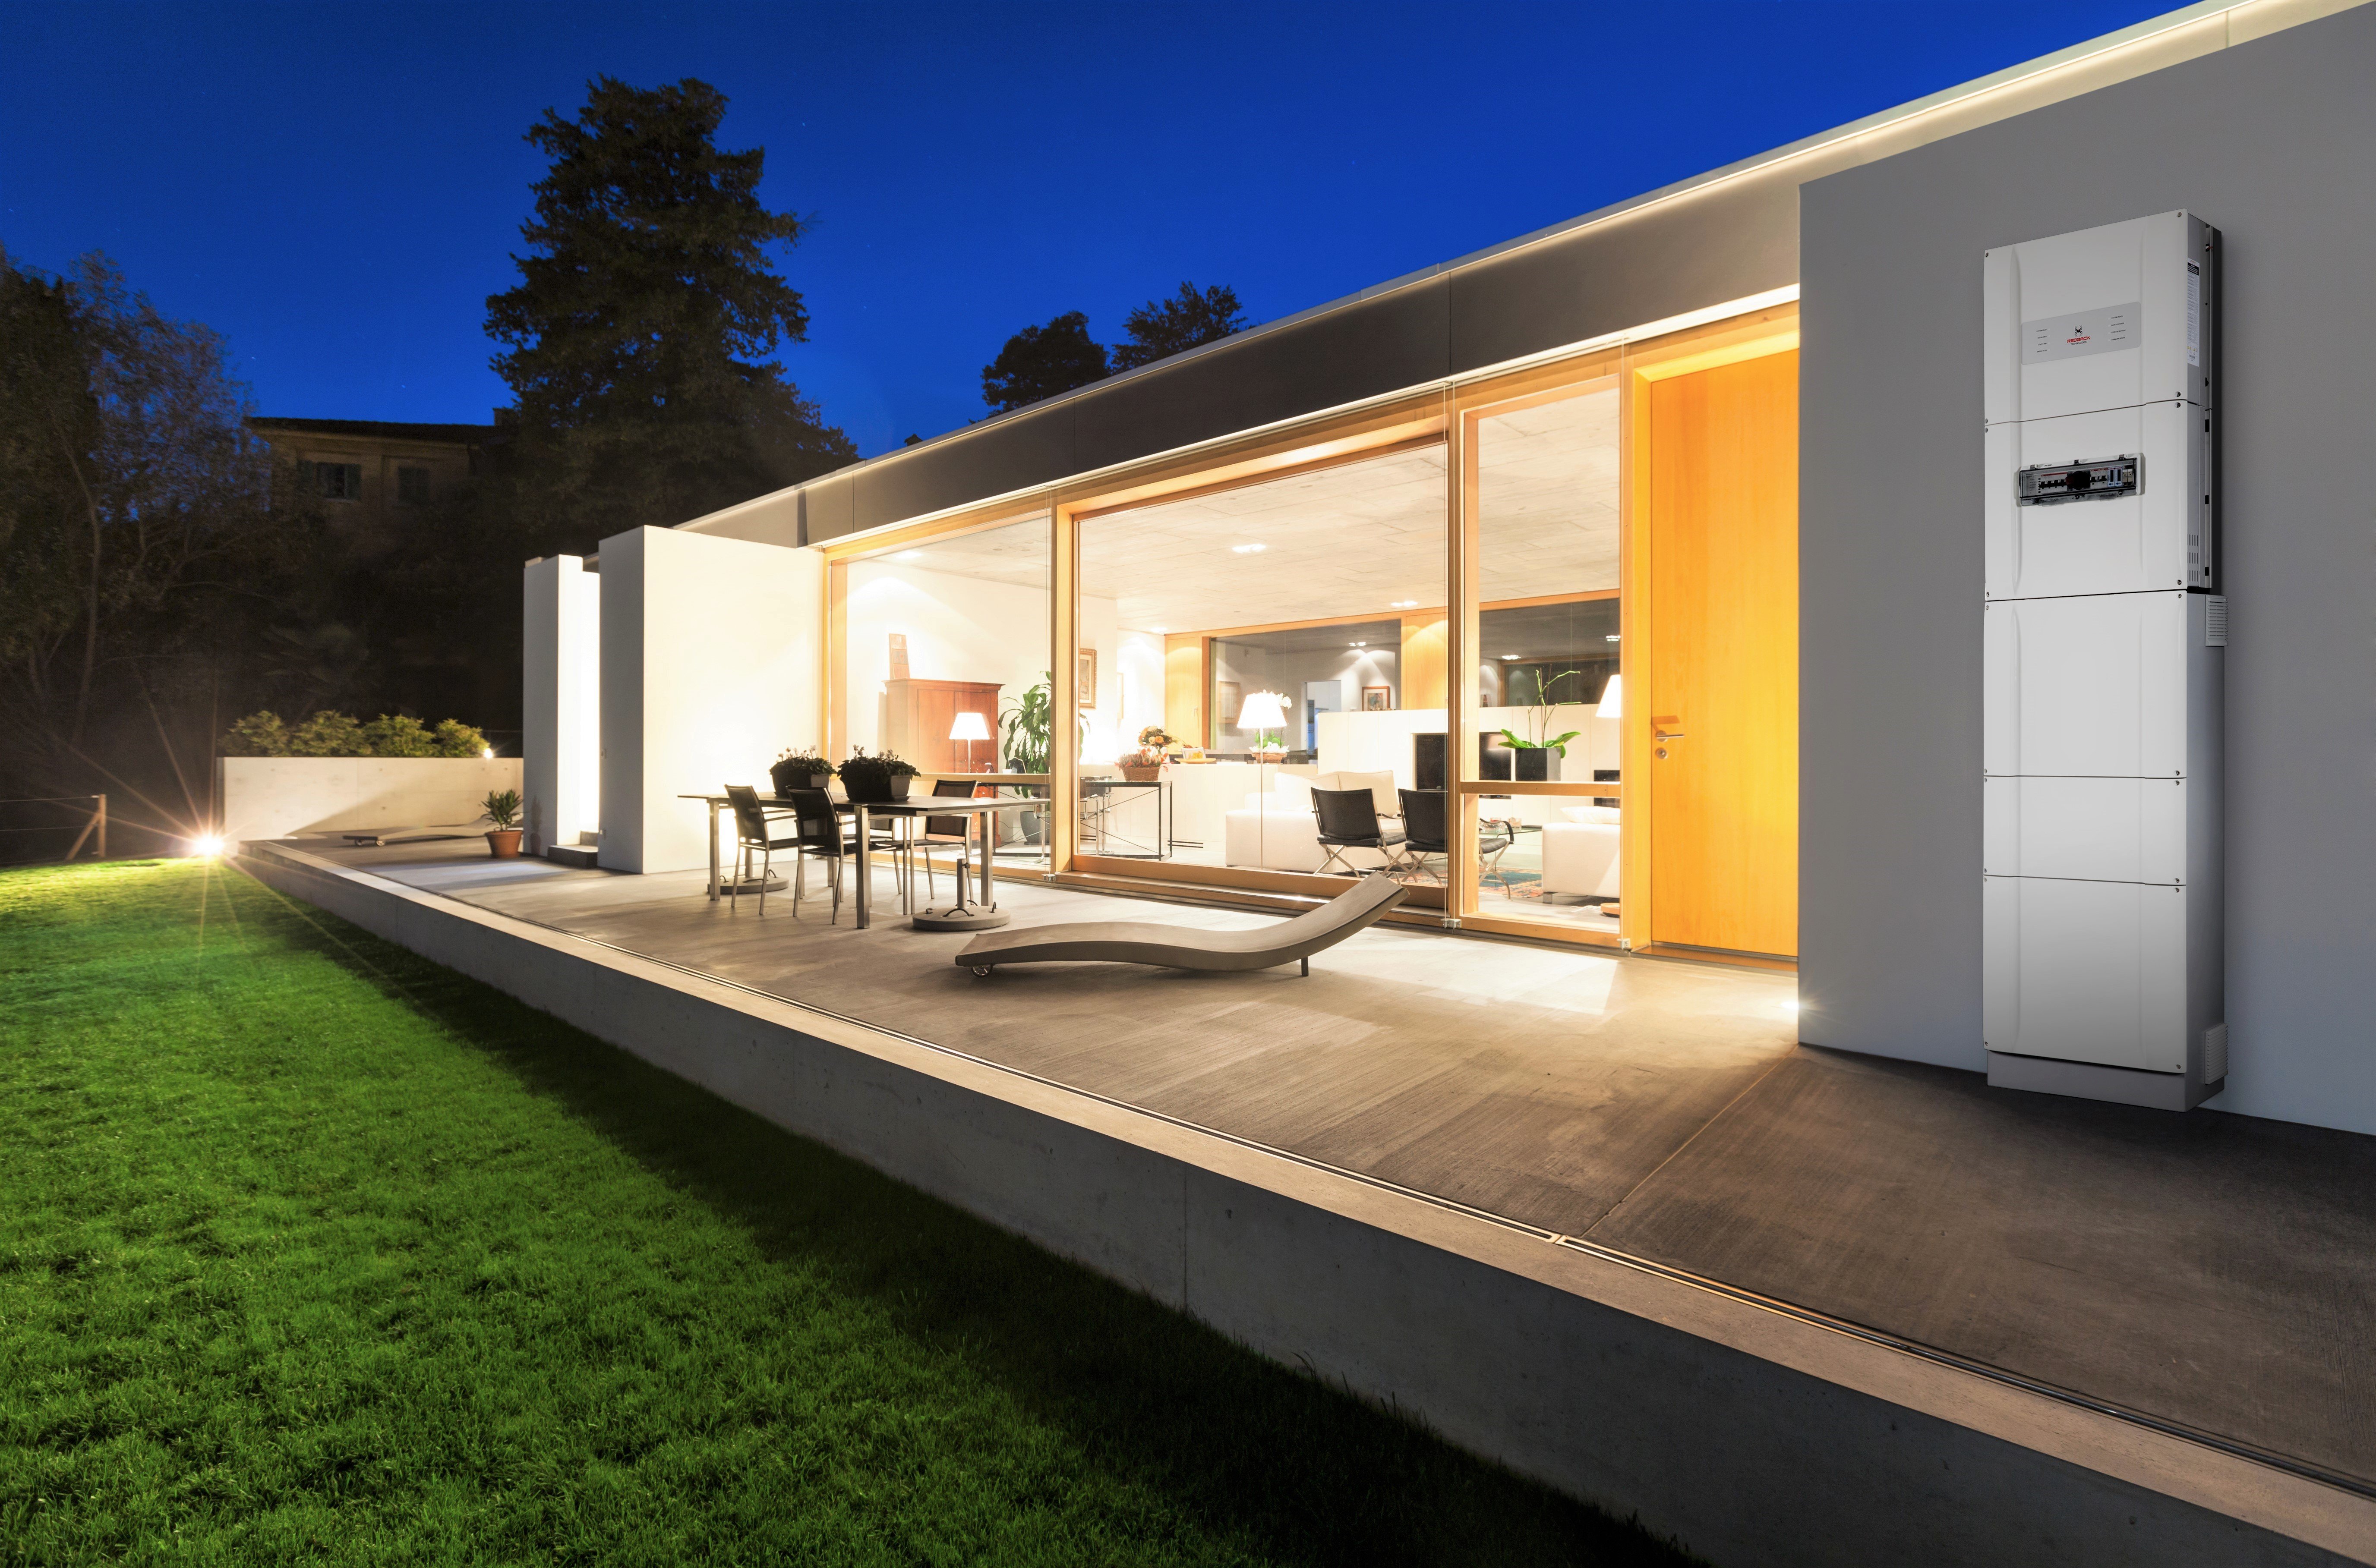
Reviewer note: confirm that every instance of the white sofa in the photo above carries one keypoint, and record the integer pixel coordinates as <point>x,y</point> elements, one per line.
<point>1275,830</point>
<point>1580,854</point>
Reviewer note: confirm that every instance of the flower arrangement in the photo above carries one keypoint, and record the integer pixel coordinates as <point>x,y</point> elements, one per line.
<point>882,775</point>
<point>799,768</point>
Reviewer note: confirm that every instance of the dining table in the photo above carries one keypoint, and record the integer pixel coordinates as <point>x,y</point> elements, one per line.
<point>979,912</point>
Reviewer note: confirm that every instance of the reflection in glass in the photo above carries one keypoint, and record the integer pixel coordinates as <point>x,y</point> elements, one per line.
<point>1549,660</point>
<point>1320,591</point>
<point>945,660</point>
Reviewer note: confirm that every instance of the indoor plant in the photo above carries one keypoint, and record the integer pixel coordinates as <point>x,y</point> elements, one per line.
<point>1533,757</point>
<point>877,777</point>
<point>800,769</point>
<point>503,808</point>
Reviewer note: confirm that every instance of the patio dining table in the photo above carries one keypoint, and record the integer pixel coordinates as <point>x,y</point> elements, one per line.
<point>982,913</point>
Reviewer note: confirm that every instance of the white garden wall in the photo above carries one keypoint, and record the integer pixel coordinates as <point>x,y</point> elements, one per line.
<point>282,797</point>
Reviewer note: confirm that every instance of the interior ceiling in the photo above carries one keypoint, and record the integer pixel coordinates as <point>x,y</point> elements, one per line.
<point>1352,540</point>
<point>1384,635</point>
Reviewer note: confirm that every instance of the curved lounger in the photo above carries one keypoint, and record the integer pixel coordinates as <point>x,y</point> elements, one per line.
<point>1184,948</point>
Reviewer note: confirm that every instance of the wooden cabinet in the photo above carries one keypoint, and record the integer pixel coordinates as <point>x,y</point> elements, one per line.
<point>917,716</point>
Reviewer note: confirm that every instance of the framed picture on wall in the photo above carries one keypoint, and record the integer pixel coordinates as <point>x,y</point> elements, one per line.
<point>1377,699</point>
<point>1085,677</point>
<point>1228,697</point>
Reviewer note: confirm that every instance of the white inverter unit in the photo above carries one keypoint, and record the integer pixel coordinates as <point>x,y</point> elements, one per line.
<point>2104,642</point>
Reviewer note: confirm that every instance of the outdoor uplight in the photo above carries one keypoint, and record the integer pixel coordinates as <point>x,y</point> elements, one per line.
<point>206,845</point>
<point>488,752</point>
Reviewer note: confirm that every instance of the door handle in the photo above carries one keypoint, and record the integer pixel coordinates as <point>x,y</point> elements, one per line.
<point>1658,731</point>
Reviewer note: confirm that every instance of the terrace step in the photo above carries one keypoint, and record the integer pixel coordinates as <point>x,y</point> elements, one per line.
<point>582,856</point>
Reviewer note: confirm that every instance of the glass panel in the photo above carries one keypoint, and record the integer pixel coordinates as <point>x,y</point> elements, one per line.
<point>1253,644</point>
<point>1548,660</point>
<point>944,658</point>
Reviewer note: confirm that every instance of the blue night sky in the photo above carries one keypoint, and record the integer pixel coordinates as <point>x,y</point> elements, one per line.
<point>337,187</point>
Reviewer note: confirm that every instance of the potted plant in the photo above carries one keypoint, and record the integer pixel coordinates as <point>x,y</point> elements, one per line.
<point>1023,730</point>
<point>801,769</point>
<point>1531,759</point>
<point>503,808</point>
<point>1144,765</point>
<point>877,778</point>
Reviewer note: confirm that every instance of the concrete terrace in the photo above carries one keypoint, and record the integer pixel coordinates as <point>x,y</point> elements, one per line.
<point>2209,1274</point>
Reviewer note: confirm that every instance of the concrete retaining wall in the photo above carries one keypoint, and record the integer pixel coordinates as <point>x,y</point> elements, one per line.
<point>1754,1437</point>
<point>280,797</point>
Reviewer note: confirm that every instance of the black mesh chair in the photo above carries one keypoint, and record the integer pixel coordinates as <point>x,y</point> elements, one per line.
<point>1349,820</point>
<point>944,834</point>
<point>819,834</point>
<point>1426,834</point>
<point>755,833</point>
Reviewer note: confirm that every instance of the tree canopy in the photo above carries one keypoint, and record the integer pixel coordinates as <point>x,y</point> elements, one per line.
<point>1160,329</point>
<point>638,339</point>
<point>1040,362</point>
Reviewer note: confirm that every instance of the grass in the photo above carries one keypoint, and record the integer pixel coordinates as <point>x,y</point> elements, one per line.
<point>314,1252</point>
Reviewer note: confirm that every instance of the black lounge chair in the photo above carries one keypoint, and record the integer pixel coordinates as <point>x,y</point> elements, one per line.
<point>1184,948</point>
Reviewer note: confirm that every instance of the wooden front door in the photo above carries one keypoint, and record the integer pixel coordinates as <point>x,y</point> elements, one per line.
<point>1723,666</point>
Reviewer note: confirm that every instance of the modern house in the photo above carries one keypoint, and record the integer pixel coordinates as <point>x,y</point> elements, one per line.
<point>1875,631</point>
<point>1695,482</point>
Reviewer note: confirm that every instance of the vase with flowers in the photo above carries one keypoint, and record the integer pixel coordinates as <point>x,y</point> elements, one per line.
<point>1144,765</point>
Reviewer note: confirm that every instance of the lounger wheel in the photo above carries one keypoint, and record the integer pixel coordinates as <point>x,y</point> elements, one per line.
<point>982,969</point>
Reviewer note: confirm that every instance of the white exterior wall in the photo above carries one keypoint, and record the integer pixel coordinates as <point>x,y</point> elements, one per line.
<point>712,663</point>
<point>561,714</point>
<point>281,796</point>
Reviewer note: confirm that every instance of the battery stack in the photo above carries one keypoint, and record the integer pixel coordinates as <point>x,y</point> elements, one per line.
<point>2103,932</point>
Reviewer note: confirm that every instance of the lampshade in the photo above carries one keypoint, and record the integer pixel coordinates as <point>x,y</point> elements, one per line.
<point>1262,710</point>
<point>1612,699</point>
<point>971,726</point>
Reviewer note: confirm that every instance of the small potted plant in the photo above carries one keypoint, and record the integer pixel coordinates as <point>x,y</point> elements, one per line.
<point>1532,752</point>
<point>800,769</point>
<point>1144,765</point>
<point>877,778</point>
<point>503,808</point>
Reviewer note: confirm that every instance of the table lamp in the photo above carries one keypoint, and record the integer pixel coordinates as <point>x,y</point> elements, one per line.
<point>1262,711</point>
<point>971,727</point>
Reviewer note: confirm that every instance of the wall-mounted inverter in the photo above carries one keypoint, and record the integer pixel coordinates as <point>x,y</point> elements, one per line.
<point>2105,638</point>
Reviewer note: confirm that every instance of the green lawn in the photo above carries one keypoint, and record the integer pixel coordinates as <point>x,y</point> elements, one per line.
<point>312,1250</point>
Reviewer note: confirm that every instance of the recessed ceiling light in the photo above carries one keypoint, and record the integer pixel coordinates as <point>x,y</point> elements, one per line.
<point>1357,645</point>
<point>1248,549</point>
<point>1611,637</point>
<point>909,555</point>
<point>1404,604</point>
<point>1509,657</point>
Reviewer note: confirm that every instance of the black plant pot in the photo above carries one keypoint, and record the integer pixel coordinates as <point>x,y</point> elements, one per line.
<point>1533,762</point>
<point>869,787</point>
<point>787,781</point>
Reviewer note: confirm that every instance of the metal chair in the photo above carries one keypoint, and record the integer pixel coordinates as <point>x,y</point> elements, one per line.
<point>1349,820</point>
<point>753,830</point>
<point>944,834</point>
<point>1426,834</point>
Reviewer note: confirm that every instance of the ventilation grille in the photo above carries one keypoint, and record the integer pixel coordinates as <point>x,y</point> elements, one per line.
<point>2214,1053</point>
<point>2215,619</point>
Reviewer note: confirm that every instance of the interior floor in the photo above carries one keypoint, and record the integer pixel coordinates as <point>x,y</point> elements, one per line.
<point>2211,1270</point>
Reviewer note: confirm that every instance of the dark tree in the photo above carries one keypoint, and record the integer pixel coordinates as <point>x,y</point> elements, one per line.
<point>1160,329</point>
<point>143,548</point>
<point>638,339</point>
<point>1040,362</point>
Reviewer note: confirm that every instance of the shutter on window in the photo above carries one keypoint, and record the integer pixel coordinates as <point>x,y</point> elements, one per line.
<point>354,490</point>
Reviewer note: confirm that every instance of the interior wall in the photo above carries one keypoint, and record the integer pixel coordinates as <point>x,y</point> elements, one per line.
<point>1256,668</point>
<point>2268,140</point>
<point>959,628</point>
<point>712,655</point>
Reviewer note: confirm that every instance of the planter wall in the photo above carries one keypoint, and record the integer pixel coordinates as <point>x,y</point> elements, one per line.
<point>283,797</point>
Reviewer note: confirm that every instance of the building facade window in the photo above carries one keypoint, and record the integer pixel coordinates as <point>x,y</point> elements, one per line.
<point>413,486</point>
<point>332,481</point>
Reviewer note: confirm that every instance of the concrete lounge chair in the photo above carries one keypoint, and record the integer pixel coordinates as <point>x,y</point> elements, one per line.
<point>1184,948</point>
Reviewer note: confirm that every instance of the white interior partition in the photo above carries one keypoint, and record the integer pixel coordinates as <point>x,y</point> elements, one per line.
<point>561,713</point>
<point>712,663</point>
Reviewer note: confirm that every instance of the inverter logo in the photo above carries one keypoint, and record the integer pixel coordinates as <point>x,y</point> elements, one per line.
<point>2104,331</point>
